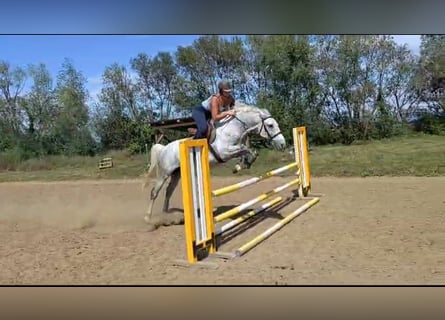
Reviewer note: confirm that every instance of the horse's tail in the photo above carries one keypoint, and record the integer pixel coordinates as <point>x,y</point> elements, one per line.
<point>154,165</point>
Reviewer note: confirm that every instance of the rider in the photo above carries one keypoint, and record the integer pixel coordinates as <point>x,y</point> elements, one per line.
<point>217,106</point>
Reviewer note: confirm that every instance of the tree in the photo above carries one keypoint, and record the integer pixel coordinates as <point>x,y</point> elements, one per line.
<point>12,81</point>
<point>40,108</point>
<point>71,134</point>
<point>120,116</point>
<point>208,60</point>
<point>285,75</point>
<point>361,75</point>
<point>399,82</point>
<point>159,82</point>
<point>431,72</point>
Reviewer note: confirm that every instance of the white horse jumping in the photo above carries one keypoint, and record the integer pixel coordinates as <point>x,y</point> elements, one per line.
<point>228,143</point>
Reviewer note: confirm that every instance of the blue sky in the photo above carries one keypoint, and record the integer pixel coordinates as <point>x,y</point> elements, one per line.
<point>91,54</point>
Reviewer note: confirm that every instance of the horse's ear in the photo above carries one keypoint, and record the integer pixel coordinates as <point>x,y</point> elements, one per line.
<point>265,111</point>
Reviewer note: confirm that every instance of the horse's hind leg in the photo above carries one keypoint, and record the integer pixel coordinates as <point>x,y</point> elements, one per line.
<point>153,195</point>
<point>174,179</point>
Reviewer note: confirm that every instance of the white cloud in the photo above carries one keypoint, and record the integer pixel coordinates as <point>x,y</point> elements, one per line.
<point>412,41</point>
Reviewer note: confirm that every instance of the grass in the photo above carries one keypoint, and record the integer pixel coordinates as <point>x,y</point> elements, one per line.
<point>420,155</point>
<point>56,168</point>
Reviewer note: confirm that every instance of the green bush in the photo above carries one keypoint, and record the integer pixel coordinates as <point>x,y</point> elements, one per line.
<point>134,148</point>
<point>431,124</point>
<point>10,159</point>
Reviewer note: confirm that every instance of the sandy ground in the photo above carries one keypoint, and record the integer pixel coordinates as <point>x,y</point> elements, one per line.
<point>363,231</point>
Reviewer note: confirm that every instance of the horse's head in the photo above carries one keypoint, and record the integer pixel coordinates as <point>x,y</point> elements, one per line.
<point>269,129</point>
<point>262,123</point>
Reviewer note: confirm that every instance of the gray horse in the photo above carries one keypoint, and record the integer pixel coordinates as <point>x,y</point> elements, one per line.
<point>228,143</point>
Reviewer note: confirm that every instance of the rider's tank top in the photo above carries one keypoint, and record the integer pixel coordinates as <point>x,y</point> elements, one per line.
<point>206,104</point>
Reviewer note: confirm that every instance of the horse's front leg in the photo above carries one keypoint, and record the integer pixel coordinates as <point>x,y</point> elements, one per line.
<point>248,156</point>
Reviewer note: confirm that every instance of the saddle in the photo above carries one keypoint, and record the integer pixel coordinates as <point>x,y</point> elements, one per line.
<point>211,132</point>
<point>210,136</point>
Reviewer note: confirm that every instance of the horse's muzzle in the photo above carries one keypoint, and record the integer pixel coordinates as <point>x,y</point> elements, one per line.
<point>279,142</point>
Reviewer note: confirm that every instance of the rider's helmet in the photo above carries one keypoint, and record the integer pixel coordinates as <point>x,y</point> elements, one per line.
<point>224,86</point>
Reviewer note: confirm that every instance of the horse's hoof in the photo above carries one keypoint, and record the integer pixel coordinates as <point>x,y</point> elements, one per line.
<point>178,220</point>
<point>236,169</point>
<point>150,225</point>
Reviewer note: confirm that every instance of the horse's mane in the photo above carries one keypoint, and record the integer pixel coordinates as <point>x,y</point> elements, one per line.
<point>246,108</point>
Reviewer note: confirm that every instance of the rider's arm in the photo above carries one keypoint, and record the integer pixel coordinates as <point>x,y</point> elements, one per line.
<point>215,108</point>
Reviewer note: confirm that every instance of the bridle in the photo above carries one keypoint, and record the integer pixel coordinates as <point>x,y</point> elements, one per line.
<point>265,129</point>
<point>263,125</point>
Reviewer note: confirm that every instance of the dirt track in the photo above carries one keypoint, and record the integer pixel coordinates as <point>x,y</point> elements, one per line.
<point>363,231</point>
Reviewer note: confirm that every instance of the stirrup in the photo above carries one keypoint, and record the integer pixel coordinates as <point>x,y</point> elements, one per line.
<point>192,131</point>
<point>212,135</point>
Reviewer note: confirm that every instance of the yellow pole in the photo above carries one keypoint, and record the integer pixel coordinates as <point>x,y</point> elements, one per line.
<point>250,203</point>
<point>189,220</point>
<point>245,183</point>
<point>246,216</point>
<point>194,242</point>
<point>302,159</point>
<point>207,186</point>
<point>249,245</point>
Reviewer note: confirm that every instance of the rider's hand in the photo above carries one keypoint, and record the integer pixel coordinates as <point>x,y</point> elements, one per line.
<point>231,113</point>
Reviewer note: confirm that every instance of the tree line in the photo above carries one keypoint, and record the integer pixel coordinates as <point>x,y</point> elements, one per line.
<point>343,88</point>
